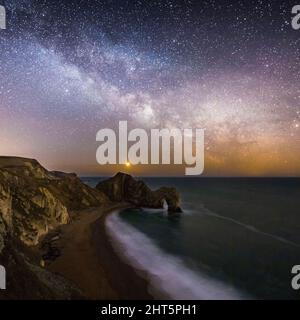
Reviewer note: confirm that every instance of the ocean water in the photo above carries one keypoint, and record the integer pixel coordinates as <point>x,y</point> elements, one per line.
<point>238,238</point>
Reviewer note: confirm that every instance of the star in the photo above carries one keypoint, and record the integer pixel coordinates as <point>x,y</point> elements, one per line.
<point>69,69</point>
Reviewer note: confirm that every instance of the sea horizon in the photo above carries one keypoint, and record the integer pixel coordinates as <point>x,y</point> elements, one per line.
<point>149,150</point>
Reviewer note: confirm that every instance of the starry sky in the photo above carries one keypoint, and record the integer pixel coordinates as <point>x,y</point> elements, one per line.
<point>70,68</point>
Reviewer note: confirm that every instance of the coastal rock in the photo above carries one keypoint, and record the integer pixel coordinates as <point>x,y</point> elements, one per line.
<point>123,187</point>
<point>29,280</point>
<point>34,200</point>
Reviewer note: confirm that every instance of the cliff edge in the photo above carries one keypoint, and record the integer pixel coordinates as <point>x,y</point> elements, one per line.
<point>33,201</point>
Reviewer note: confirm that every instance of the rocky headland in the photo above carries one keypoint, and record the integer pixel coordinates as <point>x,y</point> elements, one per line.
<point>36,203</point>
<point>124,188</point>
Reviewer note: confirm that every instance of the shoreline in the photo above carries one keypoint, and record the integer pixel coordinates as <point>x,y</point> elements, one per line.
<point>89,260</point>
<point>128,282</point>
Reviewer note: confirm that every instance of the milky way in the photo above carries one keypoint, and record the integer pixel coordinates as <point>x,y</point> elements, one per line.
<point>70,68</point>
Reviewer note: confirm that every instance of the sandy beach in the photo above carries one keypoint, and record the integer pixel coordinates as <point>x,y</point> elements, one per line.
<point>89,261</point>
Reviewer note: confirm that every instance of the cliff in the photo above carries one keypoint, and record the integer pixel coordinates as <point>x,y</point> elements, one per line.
<point>123,187</point>
<point>32,202</point>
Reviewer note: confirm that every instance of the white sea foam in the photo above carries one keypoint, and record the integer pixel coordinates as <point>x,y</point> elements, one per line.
<point>166,273</point>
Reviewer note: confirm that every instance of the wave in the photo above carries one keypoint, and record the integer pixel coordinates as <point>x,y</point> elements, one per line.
<point>167,274</point>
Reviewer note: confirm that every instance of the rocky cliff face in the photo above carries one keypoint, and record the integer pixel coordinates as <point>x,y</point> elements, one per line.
<point>34,200</point>
<point>123,187</point>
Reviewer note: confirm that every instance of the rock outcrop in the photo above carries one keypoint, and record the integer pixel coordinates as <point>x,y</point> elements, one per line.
<point>123,187</point>
<point>27,280</point>
<point>34,200</point>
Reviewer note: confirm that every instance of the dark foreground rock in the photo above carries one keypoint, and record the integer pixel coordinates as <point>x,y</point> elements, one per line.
<point>123,187</point>
<point>27,280</point>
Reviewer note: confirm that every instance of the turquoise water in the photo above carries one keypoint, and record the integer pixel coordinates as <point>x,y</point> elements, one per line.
<point>237,238</point>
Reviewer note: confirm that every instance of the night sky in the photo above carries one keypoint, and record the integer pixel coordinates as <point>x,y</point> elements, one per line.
<point>70,68</point>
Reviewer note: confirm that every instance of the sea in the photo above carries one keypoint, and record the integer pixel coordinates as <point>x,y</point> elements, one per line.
<point>237,238</point>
